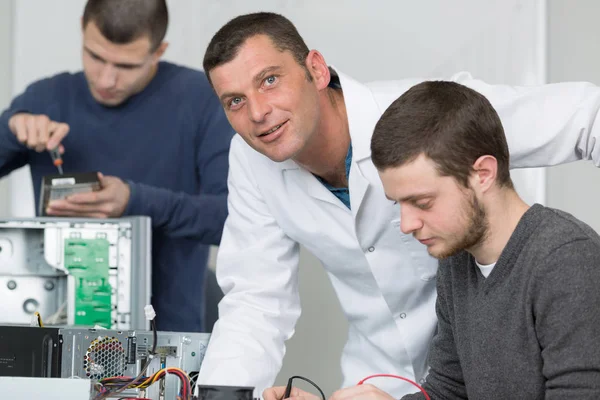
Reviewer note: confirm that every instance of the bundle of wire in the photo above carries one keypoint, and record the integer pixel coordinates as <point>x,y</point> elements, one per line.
<point>103,392</point>
<point>118,383</point>
<point>288,388</point>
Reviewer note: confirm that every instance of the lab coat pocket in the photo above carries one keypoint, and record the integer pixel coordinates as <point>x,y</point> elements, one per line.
<point>426,266</point>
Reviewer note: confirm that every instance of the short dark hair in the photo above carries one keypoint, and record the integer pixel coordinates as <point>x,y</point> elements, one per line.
<point>449,123</point>
<point>123,21</point>
<point>226,43</point>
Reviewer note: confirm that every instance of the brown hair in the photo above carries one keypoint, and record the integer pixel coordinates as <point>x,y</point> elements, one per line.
<point>449,123</point>
<point>226,43</point>
<point>123,21</point>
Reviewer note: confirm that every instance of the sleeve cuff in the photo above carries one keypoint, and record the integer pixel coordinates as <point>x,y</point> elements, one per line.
<point>134,205</point>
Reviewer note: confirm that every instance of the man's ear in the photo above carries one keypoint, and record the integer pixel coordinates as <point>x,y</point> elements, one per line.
<point>318,69</point>
<point>485,172</point>
<point>160,50</point>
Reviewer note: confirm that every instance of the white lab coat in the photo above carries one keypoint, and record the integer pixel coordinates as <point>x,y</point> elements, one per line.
<point>385,280</point>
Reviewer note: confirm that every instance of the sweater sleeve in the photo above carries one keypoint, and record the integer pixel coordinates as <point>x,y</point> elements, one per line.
<point>445,378</point>
<point>199,216</point>
<point>565,299</point>
<point>39,97</point>
<point>13,154</point>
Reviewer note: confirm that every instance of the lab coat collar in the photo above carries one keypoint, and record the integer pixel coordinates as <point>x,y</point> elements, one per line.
<point>363,113</point>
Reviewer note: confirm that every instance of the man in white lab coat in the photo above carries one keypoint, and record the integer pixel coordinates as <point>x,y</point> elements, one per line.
<point>301,173</point>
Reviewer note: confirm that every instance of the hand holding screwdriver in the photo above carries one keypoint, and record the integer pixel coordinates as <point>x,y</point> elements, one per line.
<point>38,132</point>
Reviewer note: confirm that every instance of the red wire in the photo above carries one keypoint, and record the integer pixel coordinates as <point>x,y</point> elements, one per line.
<point>397,377</point>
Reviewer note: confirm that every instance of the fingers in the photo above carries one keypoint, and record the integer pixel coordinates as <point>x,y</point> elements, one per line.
<point>305,397</point>
<point>38,132</point>
<point>66,208</point>
<point>41,125</point>
<point>108,192</point>
<point>58,131</point>
<point>277,393</point>
<point>104,181</point>
<point>75,214</point>
<point>98,203</point>
<point>86,200</point>
<point>361,392</point>
<point>19,128</point>
<point>32,133</point>
<point>274,393</point>
<point>299,394</point>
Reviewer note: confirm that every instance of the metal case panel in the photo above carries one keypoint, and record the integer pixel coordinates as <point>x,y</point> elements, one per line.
<point>96,354</point>
<point>34,275</point>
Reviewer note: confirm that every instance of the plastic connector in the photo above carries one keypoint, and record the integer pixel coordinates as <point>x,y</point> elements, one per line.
<point>150,313</point>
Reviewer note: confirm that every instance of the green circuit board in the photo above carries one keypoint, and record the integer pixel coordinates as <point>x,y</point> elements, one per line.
<point>87,261</point>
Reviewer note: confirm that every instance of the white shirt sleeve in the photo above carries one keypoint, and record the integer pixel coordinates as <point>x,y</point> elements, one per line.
<point>257,268</point>
<point>548,124</point>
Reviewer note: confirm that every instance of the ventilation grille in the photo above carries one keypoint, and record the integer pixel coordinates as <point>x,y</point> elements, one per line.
<point>105,357</point>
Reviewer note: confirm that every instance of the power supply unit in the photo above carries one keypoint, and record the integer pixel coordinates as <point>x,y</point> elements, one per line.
<point>99,354</point>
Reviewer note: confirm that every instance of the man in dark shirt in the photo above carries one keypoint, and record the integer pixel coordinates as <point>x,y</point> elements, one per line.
<point>156,132</point>
<point>517,286</point>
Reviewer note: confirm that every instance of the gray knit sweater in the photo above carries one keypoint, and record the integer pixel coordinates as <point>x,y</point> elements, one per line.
<point>531,330</point>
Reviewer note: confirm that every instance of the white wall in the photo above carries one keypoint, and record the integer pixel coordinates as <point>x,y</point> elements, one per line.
<point>574,54</point>
<point>46,40</point>
<point>6,46</point>
<point>498,41</point>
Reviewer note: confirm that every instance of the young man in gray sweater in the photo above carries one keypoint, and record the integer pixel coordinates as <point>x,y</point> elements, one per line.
<point>518,287</point>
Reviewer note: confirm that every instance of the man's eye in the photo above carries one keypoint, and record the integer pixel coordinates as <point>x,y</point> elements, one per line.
<point>423,206</point>
<point>270,80</point>
<point>235,101</point>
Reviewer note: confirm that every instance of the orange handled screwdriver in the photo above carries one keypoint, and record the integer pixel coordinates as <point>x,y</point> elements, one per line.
<point>57,159</point>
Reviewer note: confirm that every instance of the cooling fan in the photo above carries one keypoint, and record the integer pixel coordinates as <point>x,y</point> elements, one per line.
<point>105,357</point>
